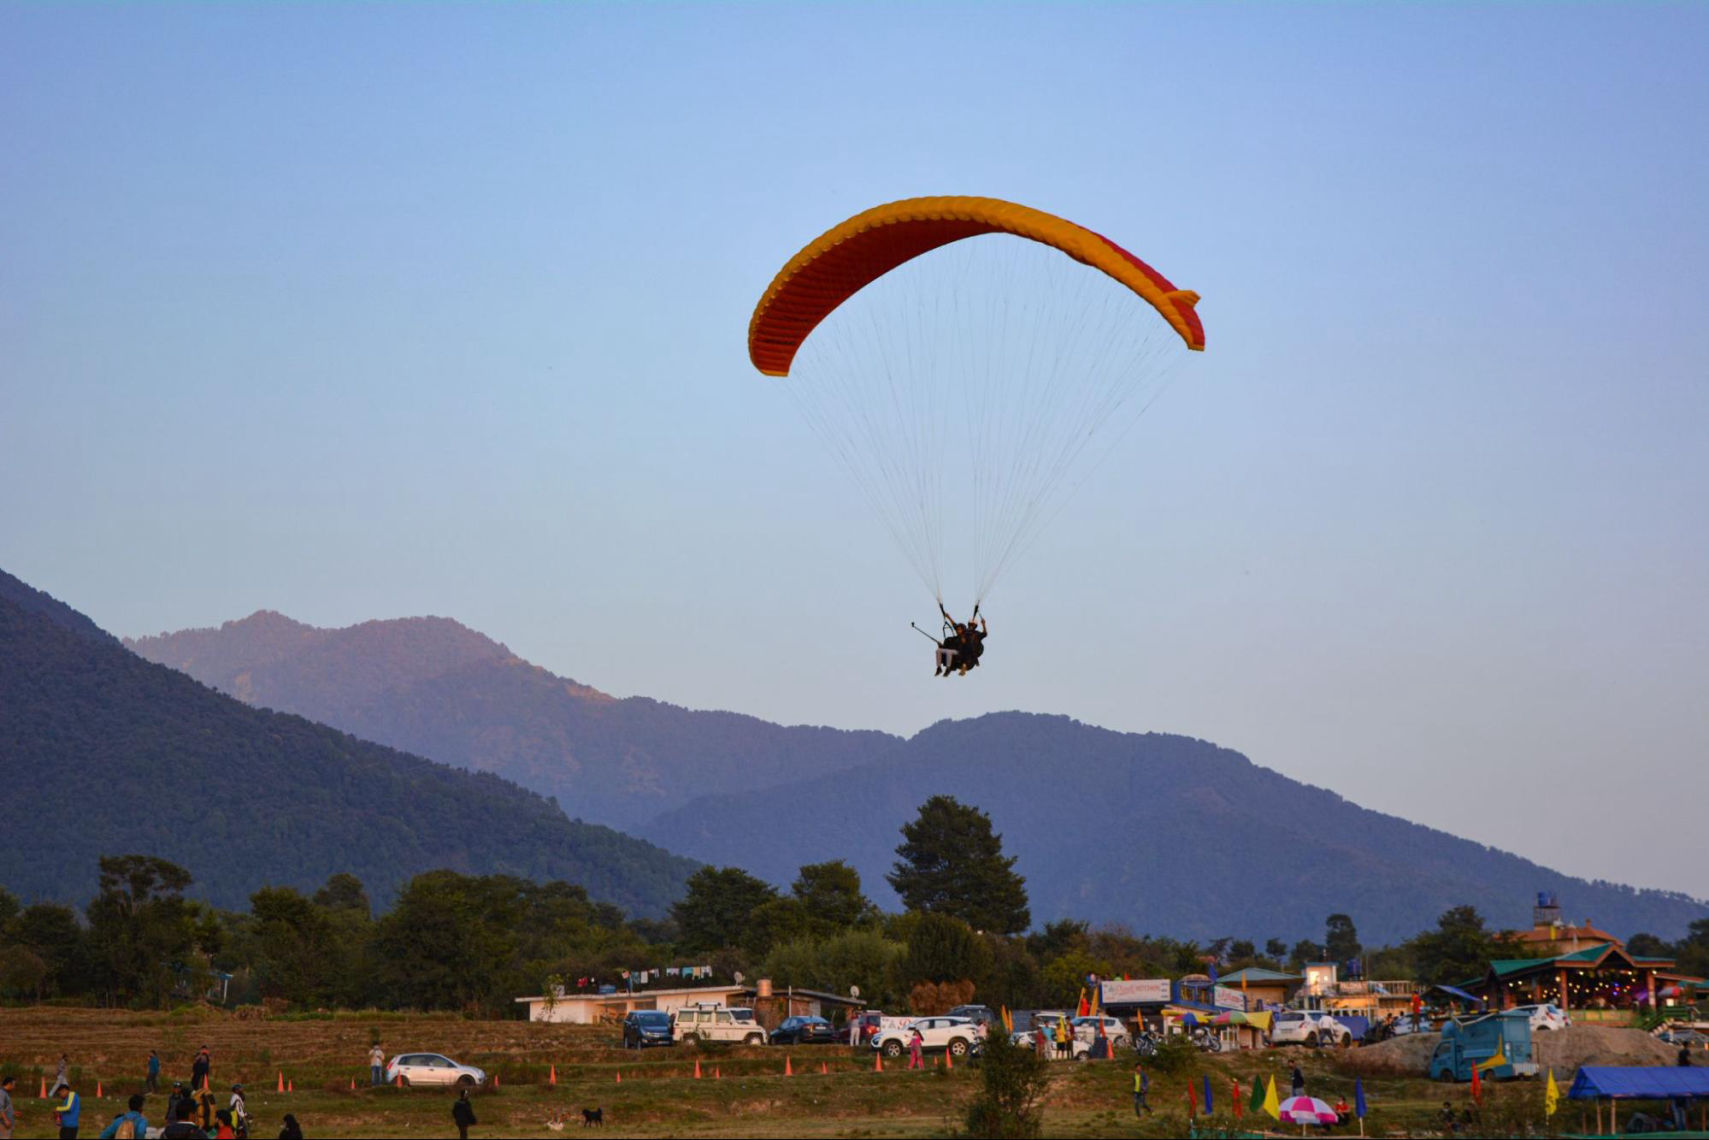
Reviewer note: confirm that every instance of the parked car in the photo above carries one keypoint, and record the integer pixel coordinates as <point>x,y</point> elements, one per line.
<point>1047,1018</point>
<point>433,1069</point>
<point>644,1027</point>
<point>956,1035</point>
<point>979,1014</point>
<point>717,1023</point>
<point>1306,1027</point>
<point>1548,1015</point>
<point>806,1031</point>
<point>1086,1031</point>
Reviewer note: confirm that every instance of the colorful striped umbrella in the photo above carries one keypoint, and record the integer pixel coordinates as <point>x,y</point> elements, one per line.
<point>1306,1110</point>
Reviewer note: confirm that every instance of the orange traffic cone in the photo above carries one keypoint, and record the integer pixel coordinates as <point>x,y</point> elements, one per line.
<point>44,1088</point>
<point>717,1073</point>
<point>949,1062</point>
<point>697,1068</point>
<point>400,1080</point>
<point>352,1084</point>
<point>553,1078</point>
<point>619,1076</point>
<point>877,1062</point>
<point>281,1081</point>
<point>824,1069</point>
<point>290,1086</point>
<point>98,1093</point>
<point>788,1069</point>
<point>495,1080</point>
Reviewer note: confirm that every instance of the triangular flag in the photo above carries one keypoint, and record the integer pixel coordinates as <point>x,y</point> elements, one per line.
<point>1208,1102</point>
<point>1359,1109</point>
<point>1192,1104</point>
<point>1272,1105</point>
<point>1256,1104</point>
<point>1477,1087</point>
<point>1235,1100</point>
<point>1551,1095</point>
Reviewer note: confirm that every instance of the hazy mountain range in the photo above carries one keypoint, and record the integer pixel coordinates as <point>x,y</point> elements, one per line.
<point>103,753</point>
<point>1165,834</point>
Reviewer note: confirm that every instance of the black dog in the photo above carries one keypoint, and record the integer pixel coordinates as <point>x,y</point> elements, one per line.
<point>593,1117</point>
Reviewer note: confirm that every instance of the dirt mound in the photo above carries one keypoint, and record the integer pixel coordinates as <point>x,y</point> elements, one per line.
<point>1563,1050</point>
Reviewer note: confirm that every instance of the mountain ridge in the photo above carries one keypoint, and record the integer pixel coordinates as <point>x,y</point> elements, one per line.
<point>113,754</point>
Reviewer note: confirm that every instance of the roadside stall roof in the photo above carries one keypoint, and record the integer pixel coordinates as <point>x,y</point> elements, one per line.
<point>1648,1082</point>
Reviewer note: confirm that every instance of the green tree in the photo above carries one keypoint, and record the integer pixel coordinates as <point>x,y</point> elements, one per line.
<point>1275,949</point>
<point>1305,950</point>
<point>449,940</point>
<point>1692,951</point>
<point>953,863</point>
<point>143,934</point>
<point>52,934</point>
<point>295,946</point>
<point>1459,948</point>
<point>832,895</point>
<point>1340,939</point>
<point>344,891</point>
<point>945,949</point>
<point>773,922</point>
<point>714,910</point>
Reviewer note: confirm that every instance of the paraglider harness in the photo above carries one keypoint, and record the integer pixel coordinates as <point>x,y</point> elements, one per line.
<point>960,646</point>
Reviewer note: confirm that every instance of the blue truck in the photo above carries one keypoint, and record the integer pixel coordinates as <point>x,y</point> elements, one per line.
<point>1475,1040</point>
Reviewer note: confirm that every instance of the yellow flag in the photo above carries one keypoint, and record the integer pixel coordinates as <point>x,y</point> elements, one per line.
<point>1551,1095</point>
<point>1271,1104</point>
<point>1493,1062</point>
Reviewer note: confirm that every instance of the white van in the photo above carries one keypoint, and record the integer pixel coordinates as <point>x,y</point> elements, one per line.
<point>717,1023</point>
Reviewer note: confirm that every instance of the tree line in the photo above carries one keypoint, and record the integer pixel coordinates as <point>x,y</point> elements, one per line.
<point>475,942</point>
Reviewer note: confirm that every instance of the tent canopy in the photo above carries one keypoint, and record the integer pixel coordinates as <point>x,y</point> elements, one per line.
<point>1647,1082</point>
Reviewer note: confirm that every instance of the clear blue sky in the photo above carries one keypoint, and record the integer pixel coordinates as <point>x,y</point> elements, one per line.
<point>368,311</point>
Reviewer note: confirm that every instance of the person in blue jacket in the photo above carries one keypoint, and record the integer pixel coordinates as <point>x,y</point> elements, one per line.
<point>138,1123</point>
<point>67,1111</point>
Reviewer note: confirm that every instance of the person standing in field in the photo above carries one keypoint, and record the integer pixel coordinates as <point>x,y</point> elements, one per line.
<point>376,1065</point>
<point>916,1051</point>
<point>200,1068</point>
<point>8,1114</point>
<point>463,1114</point>
<point>1062,1049</point>
<point>182,1127</point>
<point>62,1077</point>
<point>68,1111</point>
<point>132,1125</point>
<point>153,1084</point>
<point>1141,1090</point>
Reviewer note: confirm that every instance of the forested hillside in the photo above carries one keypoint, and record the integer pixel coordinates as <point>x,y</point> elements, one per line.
<point>105,753</point>
<point>1163,834</point>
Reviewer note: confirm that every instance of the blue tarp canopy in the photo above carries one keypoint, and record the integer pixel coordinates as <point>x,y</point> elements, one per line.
<point>1648,1082</point>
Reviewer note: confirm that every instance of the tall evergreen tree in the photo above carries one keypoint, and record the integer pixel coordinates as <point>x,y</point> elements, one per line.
<point>714,913</point>
<point>953,863</point>
<point>1340,938</point>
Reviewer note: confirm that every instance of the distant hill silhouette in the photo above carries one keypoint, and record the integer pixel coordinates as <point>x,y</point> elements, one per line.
<point>105,753</point>
<point>438,689</point>
<point>1164,834</point>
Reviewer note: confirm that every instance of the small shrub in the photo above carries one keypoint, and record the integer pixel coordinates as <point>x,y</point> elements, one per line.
<point>1013,1081</point>
<point>1175,1055</point>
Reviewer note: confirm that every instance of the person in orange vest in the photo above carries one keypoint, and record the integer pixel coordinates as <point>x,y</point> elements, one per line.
<point>1417,1010</point>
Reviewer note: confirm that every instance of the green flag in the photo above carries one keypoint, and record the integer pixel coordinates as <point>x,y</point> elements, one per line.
<point>1256,1103</point>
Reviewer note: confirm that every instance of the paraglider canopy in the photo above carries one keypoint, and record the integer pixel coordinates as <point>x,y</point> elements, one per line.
<point>969,360</point>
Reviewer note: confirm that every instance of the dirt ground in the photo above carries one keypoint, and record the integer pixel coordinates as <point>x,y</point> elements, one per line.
<point>1563,1050</point>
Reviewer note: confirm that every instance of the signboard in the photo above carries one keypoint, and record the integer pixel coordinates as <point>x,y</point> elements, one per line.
<point>1227,997</point>
<point>1136,992</point>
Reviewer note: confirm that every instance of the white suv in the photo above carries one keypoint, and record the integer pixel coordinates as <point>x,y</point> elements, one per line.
<point>957,1035</point>
<point>1302,1027</point>
<point>717,1023</point>
<point>433,1069</point>
<point>1086,1032</point>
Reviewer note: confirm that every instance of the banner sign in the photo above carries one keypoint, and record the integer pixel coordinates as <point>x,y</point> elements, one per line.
<point>1136,992</point>
<point>1227,997</point>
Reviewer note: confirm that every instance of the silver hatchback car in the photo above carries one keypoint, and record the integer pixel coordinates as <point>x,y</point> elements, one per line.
<point>433,1069</point>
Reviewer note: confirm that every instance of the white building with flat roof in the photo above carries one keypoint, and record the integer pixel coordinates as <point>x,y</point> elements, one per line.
<point>592,1008</point>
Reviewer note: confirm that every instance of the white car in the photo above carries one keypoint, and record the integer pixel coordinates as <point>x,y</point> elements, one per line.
<point>956,1035</point>
<point>433,1069</point>
<point>1086,1031</point>
<point>1304,1027</point>
<point>717,1023</point>
<point>1548,1015</point>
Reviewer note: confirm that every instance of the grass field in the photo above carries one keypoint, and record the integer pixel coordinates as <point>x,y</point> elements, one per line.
<point>742,1092</point>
